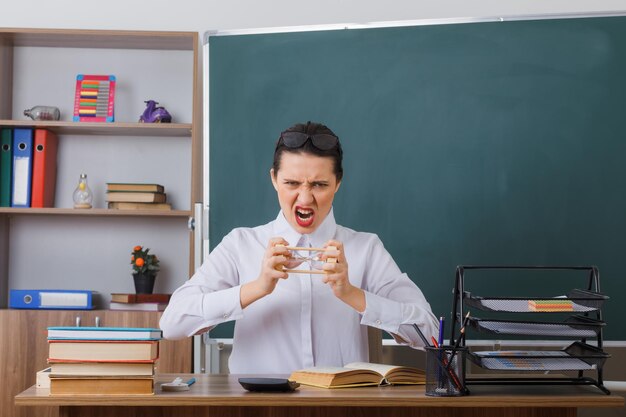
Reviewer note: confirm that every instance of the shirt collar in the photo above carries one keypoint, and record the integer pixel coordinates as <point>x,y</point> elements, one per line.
<point>318,238</point>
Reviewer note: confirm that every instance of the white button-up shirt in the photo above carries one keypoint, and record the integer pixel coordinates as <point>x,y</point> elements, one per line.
<point>301,324</point>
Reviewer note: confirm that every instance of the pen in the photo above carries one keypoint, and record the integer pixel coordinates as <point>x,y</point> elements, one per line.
<point>458,340</point>
<point>421,335</point>
<point>441,327</point>
<point>439,359</point>
<point>191,382</point>
<point>435,343</point>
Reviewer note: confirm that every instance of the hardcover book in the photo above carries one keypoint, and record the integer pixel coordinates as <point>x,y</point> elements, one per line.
<point>130,205</point>
<point>104,333</point>
<point>101,386</point>
<point>135,196</point>
<point>100,368</point>
<point>103,351</point>
<point>358,374</point>
<point>138,306</point>
<point>127,186</point>
<point>140,298</point>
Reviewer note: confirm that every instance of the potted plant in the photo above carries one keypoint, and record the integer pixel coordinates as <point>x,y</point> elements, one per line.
<point>145,266</point>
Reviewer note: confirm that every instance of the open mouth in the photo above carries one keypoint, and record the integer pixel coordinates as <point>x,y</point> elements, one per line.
<point>304,216</point>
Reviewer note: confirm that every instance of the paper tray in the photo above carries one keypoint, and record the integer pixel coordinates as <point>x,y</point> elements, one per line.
<point>578,356</point>
<point>575,326</point>
<point>577,301</point>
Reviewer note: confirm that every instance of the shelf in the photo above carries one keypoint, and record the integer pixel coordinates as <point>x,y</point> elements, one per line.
<point>106,129</point>
<point>68,241</point>
<point>122,39</point>
<point>93,212</point>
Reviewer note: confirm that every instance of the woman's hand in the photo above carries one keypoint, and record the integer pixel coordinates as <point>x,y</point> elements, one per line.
<point>337,277</point>
<point>271,271</point>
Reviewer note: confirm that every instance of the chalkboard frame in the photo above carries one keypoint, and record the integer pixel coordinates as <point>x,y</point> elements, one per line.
<point>207,65</point>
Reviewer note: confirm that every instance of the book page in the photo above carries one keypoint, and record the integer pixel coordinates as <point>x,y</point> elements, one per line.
<point>329,377</point>
<point>376,367</point>
<point>391,374</point>
<point>331,370</point>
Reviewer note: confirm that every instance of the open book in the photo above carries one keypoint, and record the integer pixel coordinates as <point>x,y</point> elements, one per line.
<point>358,374</point>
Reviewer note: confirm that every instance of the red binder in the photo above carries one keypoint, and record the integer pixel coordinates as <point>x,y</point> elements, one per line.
<point>46,144</point>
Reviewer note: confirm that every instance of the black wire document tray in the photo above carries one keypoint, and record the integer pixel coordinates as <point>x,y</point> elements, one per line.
<point>574,326</point>
<point>576,357</point>
<point>569,308</point>
<point>577,301</point>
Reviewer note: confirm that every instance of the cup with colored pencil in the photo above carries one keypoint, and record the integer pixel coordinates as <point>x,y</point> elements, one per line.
<point>445,365</point>
<point>445,373</point>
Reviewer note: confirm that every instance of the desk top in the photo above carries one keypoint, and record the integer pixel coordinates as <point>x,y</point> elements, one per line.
<point>224,390</point>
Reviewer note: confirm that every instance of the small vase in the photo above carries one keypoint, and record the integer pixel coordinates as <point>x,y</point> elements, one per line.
<point>144,283</point>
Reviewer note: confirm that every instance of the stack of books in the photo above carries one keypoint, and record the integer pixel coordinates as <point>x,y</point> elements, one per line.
<point>139,302</point>
<point>102,360</point>
<point>132,196</point>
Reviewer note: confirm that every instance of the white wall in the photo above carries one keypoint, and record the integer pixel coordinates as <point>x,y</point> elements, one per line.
<point>202,15</point>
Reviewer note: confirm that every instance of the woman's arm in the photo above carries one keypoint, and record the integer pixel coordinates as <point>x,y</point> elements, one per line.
<point>209,298</point>
<point>271,271</point>
<point>337,277</point>
<point>393,301</point>
<point>215,294</point>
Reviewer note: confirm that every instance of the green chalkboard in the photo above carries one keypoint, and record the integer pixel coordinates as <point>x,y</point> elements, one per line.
<point>479,143</point>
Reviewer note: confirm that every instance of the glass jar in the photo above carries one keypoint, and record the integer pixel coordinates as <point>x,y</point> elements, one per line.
<point>43,113</point>
<point>82,196</point>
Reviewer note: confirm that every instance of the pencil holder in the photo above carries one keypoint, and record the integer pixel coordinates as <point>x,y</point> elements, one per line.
<point>445,371</point>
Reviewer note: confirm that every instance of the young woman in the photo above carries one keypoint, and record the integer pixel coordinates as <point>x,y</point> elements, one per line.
<point>288,321</point>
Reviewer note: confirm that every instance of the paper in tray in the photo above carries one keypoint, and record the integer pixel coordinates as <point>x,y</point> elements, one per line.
<point>576,301</point>
<point>575,357</point>
<point>576,326</point>
<point>521,363</point>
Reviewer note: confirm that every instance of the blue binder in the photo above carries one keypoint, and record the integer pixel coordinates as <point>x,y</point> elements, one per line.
<point>51,299</point>
<point>22,167</point>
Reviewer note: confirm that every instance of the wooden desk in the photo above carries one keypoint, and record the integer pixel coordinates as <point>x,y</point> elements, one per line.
<point>221,395</point>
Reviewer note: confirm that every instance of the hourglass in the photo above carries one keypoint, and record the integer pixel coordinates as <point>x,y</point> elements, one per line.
<point>313,259</point>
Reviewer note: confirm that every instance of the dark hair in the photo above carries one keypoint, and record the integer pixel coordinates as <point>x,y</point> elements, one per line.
<point>311,128</point>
